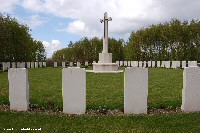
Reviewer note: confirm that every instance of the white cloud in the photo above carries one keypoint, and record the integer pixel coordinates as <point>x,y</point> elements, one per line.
<point>128,15</point>
<point>51,47</point>
<point>77,27</point>
<point>34,5</point>
<point>34,21</point>
<point>7,5</point>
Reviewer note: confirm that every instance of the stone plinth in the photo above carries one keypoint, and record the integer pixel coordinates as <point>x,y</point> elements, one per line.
<point>18,89</point>
<point>74,90</point>
<point>135,90</point>
<point>105,66</point>
<point>105,58</point>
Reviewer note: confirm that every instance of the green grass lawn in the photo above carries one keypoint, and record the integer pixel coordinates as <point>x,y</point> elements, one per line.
<point>104,91</point>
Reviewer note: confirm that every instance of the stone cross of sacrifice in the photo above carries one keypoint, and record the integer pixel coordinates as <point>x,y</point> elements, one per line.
<point>105,38</point>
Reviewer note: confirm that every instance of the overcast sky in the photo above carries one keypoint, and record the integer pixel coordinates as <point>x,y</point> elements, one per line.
<point>56,22</point>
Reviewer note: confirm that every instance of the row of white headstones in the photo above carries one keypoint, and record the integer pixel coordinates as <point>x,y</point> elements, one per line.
<point>164,64</point>
<point>74,90</point>
<point>8,65</point>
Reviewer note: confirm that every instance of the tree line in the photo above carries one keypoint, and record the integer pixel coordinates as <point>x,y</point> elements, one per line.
<point>16,43</point>
<point>88,50</point>
<point>174,40</point>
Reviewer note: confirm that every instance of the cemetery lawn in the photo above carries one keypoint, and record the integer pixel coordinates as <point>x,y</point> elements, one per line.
<point>104,92</point>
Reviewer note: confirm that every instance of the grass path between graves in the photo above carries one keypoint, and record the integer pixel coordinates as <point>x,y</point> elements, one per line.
<point>87,123</point>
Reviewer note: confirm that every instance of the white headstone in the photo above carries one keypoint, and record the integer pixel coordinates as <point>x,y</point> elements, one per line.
<point>136,90</point>
<point>140,63</point>
<point>178,64</point>
<point>149,63</point>
<point>22,65</point>
<point>163,64</point>
<point>4,66</point>
<point>71,64</point>
<point>183,64</point>
<point>167,64</point>
<point>55,64</point>
<point>129,63</point>
<point>192,63</point>
<point>63,64</point>
<point>36,64</point>
<point>8,65</point>
<point>86,63</point>
<point>28,65</point>
<point>32,64</point>
<point>174,64</point>
<point>121,63</point>
<point>117,63</point>
<point>132,63</point>
<point>13,65</point>
<point>125,63</point>
<point>18,64</point>
<point>153,63</point>
<point>40,64</point>
<point>158,64</point>
<point>136,63</point>
<point>144,64</point>
<point>18,89</point>
<point>74,90</point>
<point>44,64</point>
<point>191,89</point>
<point>78,64</point>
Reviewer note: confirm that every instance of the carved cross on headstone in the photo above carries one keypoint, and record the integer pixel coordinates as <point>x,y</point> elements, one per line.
<point>105,38</point>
